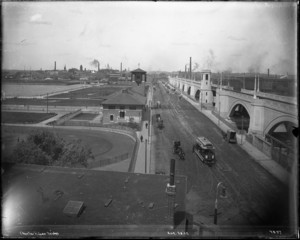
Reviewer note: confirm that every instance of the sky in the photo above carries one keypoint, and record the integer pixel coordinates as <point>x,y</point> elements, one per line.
<point>155,36</point>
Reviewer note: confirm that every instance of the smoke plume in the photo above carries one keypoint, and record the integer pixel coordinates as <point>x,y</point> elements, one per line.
<point>94,63</point>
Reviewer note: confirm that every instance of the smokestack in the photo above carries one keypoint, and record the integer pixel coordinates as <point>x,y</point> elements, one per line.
<point>190,67</point>
<point>54,65</point>
<point>268,72</point>
<point>98,66</point>
<point>121,68</point>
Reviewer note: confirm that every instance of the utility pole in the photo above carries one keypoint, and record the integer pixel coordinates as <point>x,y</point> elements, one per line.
<point>145,156</point>
<point>220,100</point>
<point>242,130</point>
<point>47,102</point>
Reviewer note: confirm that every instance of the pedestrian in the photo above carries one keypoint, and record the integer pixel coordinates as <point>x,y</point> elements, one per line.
<point>141,138</point>
<point>146,125</point>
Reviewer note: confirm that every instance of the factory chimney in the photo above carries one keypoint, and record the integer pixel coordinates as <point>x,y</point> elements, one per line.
<point>54,65</point>
<point>98,66</point>
<point>121,68</point>
<point>190,67</point>
<point>268,72</point>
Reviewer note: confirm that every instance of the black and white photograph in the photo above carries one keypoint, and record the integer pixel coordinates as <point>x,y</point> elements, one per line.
<point>149,119</point>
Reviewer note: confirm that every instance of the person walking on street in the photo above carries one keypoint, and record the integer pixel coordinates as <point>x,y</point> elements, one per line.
<point>141,138</point>
<point>146,125</point>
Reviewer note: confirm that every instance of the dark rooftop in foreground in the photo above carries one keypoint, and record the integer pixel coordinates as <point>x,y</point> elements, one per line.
<point>44,199</point>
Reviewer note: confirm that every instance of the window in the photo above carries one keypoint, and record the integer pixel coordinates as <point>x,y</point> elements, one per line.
<point>132,107</point>
<point>111,118</point>
<point>111,107</point>
<point>122,107</point>
<point>206,76</point>
<point>122,114</point>
<point>206,93</point>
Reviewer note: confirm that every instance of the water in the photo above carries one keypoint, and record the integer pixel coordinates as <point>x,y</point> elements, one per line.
<point>28,90</point>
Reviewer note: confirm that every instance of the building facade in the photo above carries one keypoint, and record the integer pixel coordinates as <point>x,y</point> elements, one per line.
<point>138,76</point>
<point>126,106</point>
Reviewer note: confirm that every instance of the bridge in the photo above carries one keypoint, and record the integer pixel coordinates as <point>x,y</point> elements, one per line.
<point>254,111</point>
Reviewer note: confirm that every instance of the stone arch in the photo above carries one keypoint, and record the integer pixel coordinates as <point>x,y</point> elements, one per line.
<point>183,87</point>
<point>189,90</point>
<point>240,115</point>
<point>281,119</point>
<point>234,104</point>
<point>197,95</point>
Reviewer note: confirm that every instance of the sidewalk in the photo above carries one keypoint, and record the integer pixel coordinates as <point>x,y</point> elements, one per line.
<point>144,162</point>
<point>270,165</point>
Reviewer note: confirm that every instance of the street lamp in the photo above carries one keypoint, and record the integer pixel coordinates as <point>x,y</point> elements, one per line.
<point>223,195</point>
<point>242,130</point>
<point>220,88</point>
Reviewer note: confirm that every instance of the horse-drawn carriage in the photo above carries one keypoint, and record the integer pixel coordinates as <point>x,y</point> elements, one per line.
<point>160,122</point>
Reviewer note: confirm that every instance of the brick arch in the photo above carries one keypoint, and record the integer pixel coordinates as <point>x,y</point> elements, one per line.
<point>284,118</point>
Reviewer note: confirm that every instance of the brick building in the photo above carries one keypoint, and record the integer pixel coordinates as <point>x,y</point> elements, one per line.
<point>125,106</point>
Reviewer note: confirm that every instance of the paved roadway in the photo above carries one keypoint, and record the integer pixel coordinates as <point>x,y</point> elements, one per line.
<point>255,197</point>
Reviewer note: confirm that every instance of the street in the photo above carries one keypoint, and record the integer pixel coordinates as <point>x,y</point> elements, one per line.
<point>254,197</point>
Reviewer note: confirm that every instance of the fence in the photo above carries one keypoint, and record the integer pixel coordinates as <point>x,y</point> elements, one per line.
<point>275,149</point>
<point>108,161</point>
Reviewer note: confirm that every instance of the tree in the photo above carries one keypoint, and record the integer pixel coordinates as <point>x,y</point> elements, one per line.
<point>47,148</point>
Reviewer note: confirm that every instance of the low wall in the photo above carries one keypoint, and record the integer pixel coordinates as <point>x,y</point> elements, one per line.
<point>108,161</point>
<point>134,155</point>
<point>116,129</point>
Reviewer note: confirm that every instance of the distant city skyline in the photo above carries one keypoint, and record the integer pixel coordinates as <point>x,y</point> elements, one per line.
<point>236,36</point>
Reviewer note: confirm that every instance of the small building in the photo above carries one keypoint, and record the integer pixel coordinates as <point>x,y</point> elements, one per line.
<point>138,76</point>
<point>124,106</point>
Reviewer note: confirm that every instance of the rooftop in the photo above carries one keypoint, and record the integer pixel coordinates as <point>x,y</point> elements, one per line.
<point>138,70</point>
<point>35,199</point>
<point>125,97</point>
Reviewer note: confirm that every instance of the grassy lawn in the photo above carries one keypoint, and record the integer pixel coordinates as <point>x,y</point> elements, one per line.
<point>54,102</point>
<point>91,93</point>
<point>85,116</point>
<point>25,117</point>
